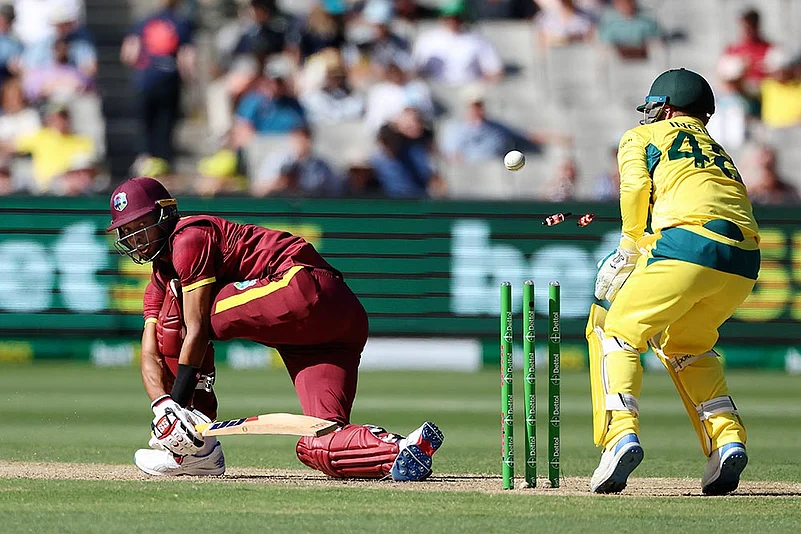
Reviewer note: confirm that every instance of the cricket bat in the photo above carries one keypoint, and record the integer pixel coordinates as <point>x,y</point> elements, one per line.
<point>270,423</point>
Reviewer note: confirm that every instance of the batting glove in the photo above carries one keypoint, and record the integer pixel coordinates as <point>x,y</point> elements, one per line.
<point>174,428</point>
<point>614,270</point>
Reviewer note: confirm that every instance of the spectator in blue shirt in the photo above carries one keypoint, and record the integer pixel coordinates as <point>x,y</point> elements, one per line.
<point>81,51</point>
<point>478,138</point>
<point>403,164</point>
<point>10,47</point>
<point>160,49</point>
<point>270,108</point>
<point>299,173</point>
<point>628,30</point>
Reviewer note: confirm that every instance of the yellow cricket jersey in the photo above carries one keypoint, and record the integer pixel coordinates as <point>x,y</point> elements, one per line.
<point>52,153</point>
<point>675,171</point>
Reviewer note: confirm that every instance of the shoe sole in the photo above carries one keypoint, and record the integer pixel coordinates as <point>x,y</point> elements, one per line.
<point>433,435</point>
<point>207,473</point>
<point>413,464</point>
<point>214,473</point>
<point>150,471</point>
<point>729,477</point>
<point>619,477</point>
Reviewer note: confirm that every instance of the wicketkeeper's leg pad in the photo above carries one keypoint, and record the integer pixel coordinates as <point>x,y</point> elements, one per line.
<point>700,383</point>
<point>353,451</point>
<point>615,381</point>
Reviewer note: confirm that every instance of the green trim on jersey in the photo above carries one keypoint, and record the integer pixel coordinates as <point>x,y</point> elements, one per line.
<point>653,155</point>
<point>684,245</point>
<point>725,228</point>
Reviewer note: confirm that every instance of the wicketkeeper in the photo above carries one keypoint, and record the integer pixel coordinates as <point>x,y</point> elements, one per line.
<point>214,279</point>
<point>681,283</point>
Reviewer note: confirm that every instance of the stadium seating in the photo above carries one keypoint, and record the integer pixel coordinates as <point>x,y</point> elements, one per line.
<point>580,90</point>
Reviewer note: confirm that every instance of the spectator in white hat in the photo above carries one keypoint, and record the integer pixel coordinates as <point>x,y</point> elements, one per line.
<point>454,54</point>
<point>387,99</point>
<point>32,25</point>
<point>81,52</point>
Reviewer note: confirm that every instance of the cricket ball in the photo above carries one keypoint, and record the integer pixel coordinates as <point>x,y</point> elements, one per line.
<point>514,160</point>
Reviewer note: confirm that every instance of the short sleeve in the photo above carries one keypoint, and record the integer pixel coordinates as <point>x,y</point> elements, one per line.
<point>82,53</point>
<point>247,108</point>
<point>153,299</point>
<point>193,257</point>
<point>489,59</point>
<point>26,143</point>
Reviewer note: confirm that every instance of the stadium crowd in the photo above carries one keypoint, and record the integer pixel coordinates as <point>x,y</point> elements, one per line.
<point>351,98</point>
<point>47,62</point>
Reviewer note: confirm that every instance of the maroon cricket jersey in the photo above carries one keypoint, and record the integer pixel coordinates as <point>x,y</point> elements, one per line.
<point>154,297</point>
<point>205,249</point>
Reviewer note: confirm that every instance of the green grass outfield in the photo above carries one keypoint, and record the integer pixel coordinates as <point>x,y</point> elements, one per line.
<point>81,414</point>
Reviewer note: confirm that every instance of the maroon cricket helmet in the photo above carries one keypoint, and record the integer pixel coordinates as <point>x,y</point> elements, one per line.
<point>137,197</point>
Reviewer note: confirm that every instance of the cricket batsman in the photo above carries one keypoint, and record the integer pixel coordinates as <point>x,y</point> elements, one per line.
<point>214,279</point>
<point>672,289</point>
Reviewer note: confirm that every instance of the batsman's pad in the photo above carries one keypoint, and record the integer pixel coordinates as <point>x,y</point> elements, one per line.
<point>602,401</point>
<point>353,451</point>
<point>703,411</point>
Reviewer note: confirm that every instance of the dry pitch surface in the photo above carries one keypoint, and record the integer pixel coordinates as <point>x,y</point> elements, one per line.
<point>638,487</point>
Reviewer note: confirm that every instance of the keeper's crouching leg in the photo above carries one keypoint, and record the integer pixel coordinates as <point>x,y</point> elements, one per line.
<point>353,451</point>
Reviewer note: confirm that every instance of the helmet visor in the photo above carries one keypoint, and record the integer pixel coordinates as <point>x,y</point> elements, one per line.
<point>145,244</point>
<point>653,109</point>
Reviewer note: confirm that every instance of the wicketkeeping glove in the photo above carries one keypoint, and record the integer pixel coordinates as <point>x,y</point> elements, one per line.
<point>614,270</point>
<point>174,428</point>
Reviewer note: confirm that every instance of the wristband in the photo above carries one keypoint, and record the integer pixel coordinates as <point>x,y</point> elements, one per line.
<point>185,384</point>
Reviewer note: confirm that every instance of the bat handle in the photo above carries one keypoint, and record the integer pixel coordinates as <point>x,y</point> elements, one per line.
<point>202,427</point>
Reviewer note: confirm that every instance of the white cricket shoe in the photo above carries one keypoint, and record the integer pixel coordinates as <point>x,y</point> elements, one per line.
<point>616,465</point>
<point>723,469</point>
<point>161,463</point>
